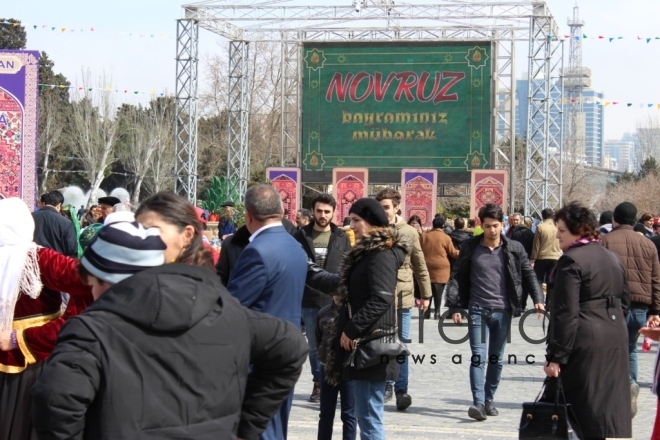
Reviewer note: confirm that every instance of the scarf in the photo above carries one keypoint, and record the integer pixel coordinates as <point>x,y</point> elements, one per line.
<point>583,241</point>
<point>19,267</point>
<point>576,243</point>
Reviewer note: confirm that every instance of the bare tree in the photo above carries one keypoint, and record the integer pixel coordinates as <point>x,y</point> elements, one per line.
<point>647,138</point>
<point>51,129</point>
<point>161,164</point>
<point>161,176</point>
<point>640,188</point>
<point>94,127</point>
<point>264,107</point>
<point>148,132</point>
<point>642,193</point>
<point>580,181</point>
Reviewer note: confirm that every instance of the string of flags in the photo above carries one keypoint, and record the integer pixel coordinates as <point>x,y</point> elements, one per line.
<point>66,29</point>
<point>107,88</point>
<point>596,101</point>
<point>604,103</point>
<point>604,38</point>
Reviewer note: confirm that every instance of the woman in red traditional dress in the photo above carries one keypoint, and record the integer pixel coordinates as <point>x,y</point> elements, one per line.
<point>31,313</point>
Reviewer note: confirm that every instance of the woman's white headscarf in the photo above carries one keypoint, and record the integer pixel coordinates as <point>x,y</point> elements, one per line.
<point>19,268</point>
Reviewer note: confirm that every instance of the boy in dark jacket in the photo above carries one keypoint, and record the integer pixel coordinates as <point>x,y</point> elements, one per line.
<point>164,352</point>
<point>329,393</point>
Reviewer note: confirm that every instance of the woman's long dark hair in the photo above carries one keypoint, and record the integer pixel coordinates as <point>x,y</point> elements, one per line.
<point>179,212</point>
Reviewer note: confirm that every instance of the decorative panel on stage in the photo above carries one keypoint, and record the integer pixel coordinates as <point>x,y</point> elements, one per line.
<point>419,192</point>
<point>349,185</point>
<point>287,183</point>
<point>19,96</point>
<point>488,186</point>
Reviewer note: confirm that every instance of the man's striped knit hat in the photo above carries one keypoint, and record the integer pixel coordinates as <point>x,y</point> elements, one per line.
<point>123,249</point>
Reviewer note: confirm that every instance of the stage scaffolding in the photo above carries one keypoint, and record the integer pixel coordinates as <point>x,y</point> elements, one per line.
<point>502,23</point>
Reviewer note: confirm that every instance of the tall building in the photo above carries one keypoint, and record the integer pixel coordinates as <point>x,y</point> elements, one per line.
<point>619,155</point>
<point>593,117</point>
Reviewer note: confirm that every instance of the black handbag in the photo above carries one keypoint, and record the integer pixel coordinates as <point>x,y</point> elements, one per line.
<point>545,420</point>
<point>380,346</point>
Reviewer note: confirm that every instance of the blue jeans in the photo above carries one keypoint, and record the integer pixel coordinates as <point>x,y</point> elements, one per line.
<point>496,327</point>
<point>329,404</point>
<point>405,317</point>
<point>369,407</point>
<point>309,315</point>
<point>635,320</point>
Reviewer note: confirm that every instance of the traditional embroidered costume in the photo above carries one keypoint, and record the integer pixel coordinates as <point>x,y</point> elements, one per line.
<point>31,308</point>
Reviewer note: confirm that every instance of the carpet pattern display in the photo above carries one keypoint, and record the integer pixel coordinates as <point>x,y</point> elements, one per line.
<point>19,74</point>
<point>349,185</point>
<point>488,186</point>
<point>287,182</point>
<point>419,192</point>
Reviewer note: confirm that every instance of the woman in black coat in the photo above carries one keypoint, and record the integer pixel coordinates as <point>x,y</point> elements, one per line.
<point>588,344</point>
<point>367,285</point>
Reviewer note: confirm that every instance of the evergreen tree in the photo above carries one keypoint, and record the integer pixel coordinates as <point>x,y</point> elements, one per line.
<point>12,34</point>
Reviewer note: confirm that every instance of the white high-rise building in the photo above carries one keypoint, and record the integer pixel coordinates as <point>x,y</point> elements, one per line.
<point>619,155</point>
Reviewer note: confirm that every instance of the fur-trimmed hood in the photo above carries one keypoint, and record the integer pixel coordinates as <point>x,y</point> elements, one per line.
<point>380,239</point>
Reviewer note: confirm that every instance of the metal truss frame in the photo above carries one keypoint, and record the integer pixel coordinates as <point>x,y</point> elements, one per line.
<point>238,155</point>
<point>543,175</point>
<point>502,23</point>
<point>185,160</point>
<point>290,110</point>
<point>504,122</point>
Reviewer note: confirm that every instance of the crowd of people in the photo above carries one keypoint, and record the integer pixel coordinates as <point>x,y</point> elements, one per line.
<point>120,322</point>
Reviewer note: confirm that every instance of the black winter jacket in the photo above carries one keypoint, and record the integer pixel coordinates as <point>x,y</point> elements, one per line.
<point>166,354</point>
<point>339,244</point>
<point>368,282</point>
<point>54,231</point>
<point>231,249</point>
<point>458,237</point>
<point>523,236</point>
<point>519,273</point>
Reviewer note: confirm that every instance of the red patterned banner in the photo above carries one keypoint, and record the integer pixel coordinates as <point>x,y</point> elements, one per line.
<point>19,72</point>
<point>349,185</point>
<point>419,194</point>
<point>488,186</point>
<point>287,183</point>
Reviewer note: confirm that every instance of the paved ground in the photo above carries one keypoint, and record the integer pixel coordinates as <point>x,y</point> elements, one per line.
<point>441,392</point>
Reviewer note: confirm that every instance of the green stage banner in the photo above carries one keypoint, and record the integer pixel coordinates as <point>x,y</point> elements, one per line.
<point>388,106</point>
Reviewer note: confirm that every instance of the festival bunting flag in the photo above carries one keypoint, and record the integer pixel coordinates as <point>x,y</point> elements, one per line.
<point>107,89</point>
<point>160,35</point>
<point>68,29</point>
<point>596,101</point>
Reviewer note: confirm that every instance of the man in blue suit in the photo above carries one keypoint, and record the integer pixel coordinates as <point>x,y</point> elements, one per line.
<point>270,274</point>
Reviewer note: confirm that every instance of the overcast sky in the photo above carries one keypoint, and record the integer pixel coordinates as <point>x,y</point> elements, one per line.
<point>625,70</point>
